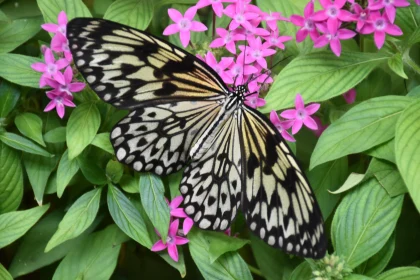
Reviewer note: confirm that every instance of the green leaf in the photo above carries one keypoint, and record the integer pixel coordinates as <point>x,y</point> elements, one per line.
<point>377,83</point>
<point>17,69</point>
<point>358,277</point>
<point>17,32</point>
<point>30,125</point>
<point>407,149</point>
<point>21,143</point>
<point>39,170</point>
<point>92,172</point>
<point>353,180</point>
<point>51,186</point>
<point>30,255</point>
<point>153,199</point>
<point>15,224</point>
<point>388,176</point>
<point>11,179</point>
<point>82,127</point>
<point>127,217</point>
<point>414,38</point>
<point>56,135</point>
<point>96,258</point>
<point>396,64</point>
<point>384,151</point>
<point>179,265</point>
<point>302,271</point>
<point>114,171</point>
<point>174,181</point>
<point>129,184</point>
<point>328,176</point>
<point>399,273</point>
<point>79,217</point>
<point>364,221</point>
<point>220,243</point>
<point>134,13</point>
<point>228,266</point>
<point>9,96</point>
<point>320,76</point>
<point>4,274</point>
<point>66,170</point>
<point>364,126</point>
<point>51,8</point>
<point>102,141</point>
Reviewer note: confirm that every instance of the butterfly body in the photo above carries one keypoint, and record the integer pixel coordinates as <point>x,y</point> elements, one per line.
<point>183,115</point>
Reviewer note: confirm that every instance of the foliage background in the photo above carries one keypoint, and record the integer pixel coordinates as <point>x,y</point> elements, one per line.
<point>68,210</point>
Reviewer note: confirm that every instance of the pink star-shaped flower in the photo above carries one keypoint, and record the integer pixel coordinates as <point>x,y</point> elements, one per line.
<point>184,24</point>
<point>178,212</point>
<point>58,101</point>
<point>282,126</point>
<point>220,67</point>
<point>60,44</point>
<point>256,51</point>
<point>227,38</point>
<point>321,127</point>
<point>253,29</point>
<point>306,23</point>
<point>68,86</point>
<point>389,5</point>
<point>171,241</point>
<point>275,40</point>
<point>215,4</point>
<point>271,19</point>
<point>350,96</point>
<point>332,11</point>
<point>239,70</point>
<point>380,26</point>
<point>60,27</point>
<point>51,68</point>
<point>253,100</point>
<point>301,115</point>
<point>361,16</point>
<point>332,35</point>
<point>240,15</point>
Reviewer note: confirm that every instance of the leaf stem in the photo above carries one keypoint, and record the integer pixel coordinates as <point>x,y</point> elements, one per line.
<point>255,270</point>
<point>407,59</point>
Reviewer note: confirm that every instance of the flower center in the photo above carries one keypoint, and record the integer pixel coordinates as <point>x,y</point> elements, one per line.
<point>362,15</point>
<point>51,68</point>
<point>301,114</point>
<point>280,128</point>
<point>388,2</point>
<point>274,40</point>
<point>237,70</point>
<point>332,11</point>
<point>240,18</point>
<point>62,29</point>
<point>65,47</point>
<point>169,240</point>
<point>257,54</point>
<point>380,24</point>
<point>184,24</point>
<point>64,88</point>
<point>228,38</point>
<point>309,24</point>
<point>214,1</point>
<point>59,100</point>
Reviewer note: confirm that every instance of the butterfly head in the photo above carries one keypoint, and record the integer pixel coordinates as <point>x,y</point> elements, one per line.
<point>240,92</point>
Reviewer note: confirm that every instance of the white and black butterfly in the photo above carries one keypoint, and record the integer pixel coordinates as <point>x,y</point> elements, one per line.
<point>183,115</point>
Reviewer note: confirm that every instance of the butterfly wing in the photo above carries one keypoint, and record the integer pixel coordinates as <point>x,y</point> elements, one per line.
<point>278,203</point>
<point>129,68</point>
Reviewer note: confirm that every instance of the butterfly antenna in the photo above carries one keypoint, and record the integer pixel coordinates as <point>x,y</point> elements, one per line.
<point>269,69</point>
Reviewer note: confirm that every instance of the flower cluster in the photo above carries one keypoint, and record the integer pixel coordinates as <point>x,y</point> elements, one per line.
<point>62,83</point>
<point>327,25</point>
<point>331,267</point>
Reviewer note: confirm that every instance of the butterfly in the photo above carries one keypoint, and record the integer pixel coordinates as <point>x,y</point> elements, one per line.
<point>184,115</point>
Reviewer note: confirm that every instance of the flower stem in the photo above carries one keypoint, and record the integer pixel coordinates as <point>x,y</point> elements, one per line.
<point>214,25</point>
<point>255,270</point>
<point>407,59</point>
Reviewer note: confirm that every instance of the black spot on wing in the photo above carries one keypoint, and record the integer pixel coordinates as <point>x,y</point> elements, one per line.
<point>168,88</point>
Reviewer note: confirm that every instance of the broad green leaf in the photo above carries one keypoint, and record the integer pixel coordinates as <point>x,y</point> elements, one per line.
<point>129,184</point>
<point>384,151</point>
<point>30,125</point>
<point>364,221</point>
<point>134,13</point>
<point>9,96</point>
<point>328,176</point>
<point>414,38</point>
<point>51,186</point>
<point>364,126</point>
<point>56,135</point>
<point>152,197</point>
<point>82,127</point>
<point>408,20</point>
<point>407,150</point>
<point>179,265</point>
<point>388,177</point>
<point>127,217</point>
<point>377,83</point>
<point>51,8</point>
<point>20,9</point>
<point>101,140</point>
<point>66,170</point>
<point>220,243</point>
<point>302,271</point>
<point>92,172</point>
<point>228,266</point>
<point>17,69</point>
<point>3,17</point>
<point>15,224</point>
<point>30,255</point>
<point>114,171</point>
<point>79,217</point>
<point>396,64</point>
<point>274,264</point>
<point>39,170</point>
<point>401,273</point>
<point>96,258</point>
<point>21,143</point>
<point>4,274</point>
<point>320,76</point>
<point>414,92</point>
<point>353,180</point>
<point>174,181</point>
<point>11,179</point>
<point>17,32</point>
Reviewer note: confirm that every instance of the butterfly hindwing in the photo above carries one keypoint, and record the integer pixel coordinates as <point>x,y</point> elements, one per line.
<point>278,203</point>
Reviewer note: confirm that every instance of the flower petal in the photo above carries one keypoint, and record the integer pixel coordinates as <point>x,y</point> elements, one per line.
<point>297,125</point>
<point>379,38</point>
<point>60,110</point>
<point>286,135</point>
<point>59,77</point>
<point>190,13</point>
<point>181,240</point>
<point>48,56</point>
<point>173,228</point>
<point>185,37</point>
<point>76,87</point>
<point>335,46</point>
<point>61,63</point>
<point>176,201</point>
<point>312,108</point>
<point>178,212</point>
<point>50,27</point>
<point>310,123</point>
<point>173,252</point>
<point>187,225</point>
<point>39,66</point>
<point>393,29</point>
<point>299,104</point>
<point>62,18</point>
<point>289,114</point>
<point>158,246</point>
<point>198,26</point>
<point>174,14</point>
<point>171,29</point>
<point>68,75</point>
<point>50,106</point>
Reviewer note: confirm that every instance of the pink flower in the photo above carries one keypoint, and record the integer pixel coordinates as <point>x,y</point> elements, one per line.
<point>301,115</point>
<point>220,67</point>
<point>361,16</point>
<point>380,26</point>
<point>51,68</point>
<point>60,27</point>
<point>306,23</point>
<point>238,70</point>
<point>320,128</point>
<point>59,43</point>
<point>240,15</point>
<point>332,11</point>
<point>183,24</point>
<point>171,241</point>
<point>417,2</point>
<point>282,126</point>
<point>275,40</point>
<point>271,19</point>
<point>178,212</point>
<point>350,96</point>
<point>58,101</point>
<point>332,35</point>
<point>252,99</point>
<point>227,38</point>
<point>215,4</point>
<point>68,86</point>
<point>253,29</point>
<point>389,6</point>
<point>256,51</point>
